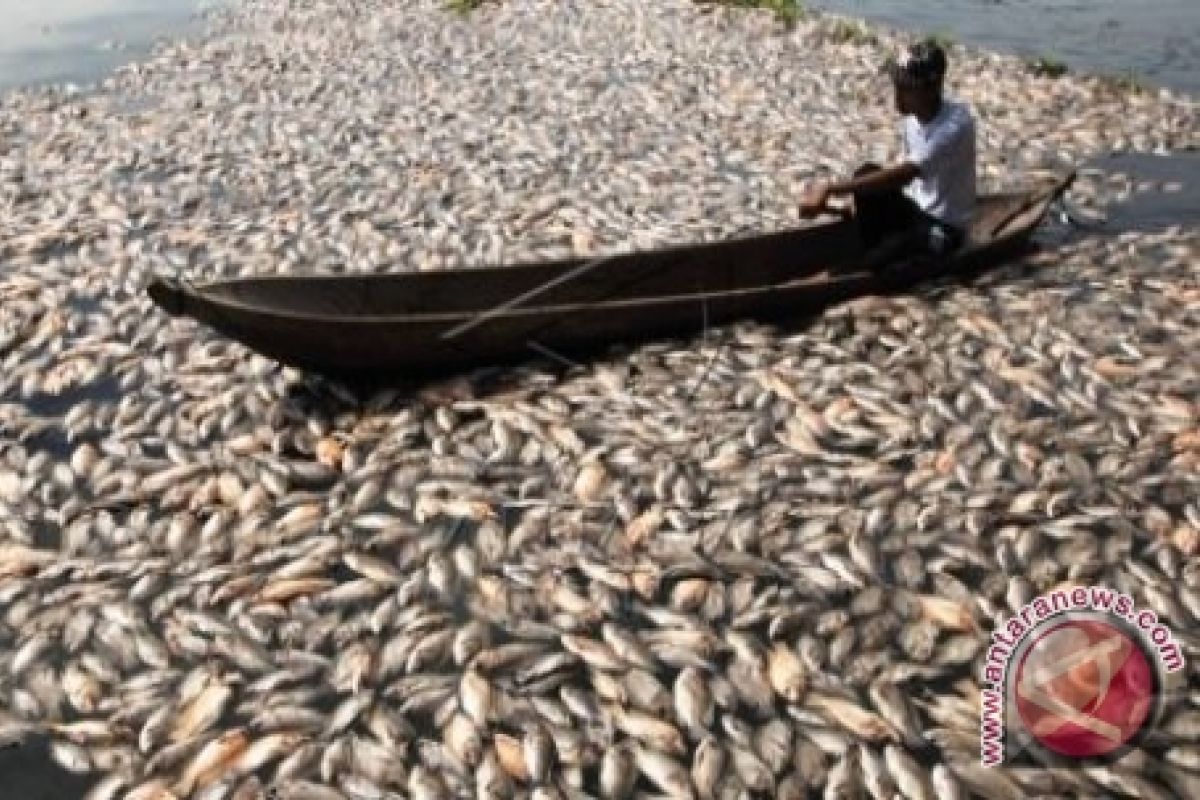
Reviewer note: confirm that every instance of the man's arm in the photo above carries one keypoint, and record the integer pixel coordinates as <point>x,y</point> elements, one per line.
<point>882,180</point>
<point>887,179</point>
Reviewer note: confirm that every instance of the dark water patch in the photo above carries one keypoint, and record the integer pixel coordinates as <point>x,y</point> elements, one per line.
<point>338,572</point>
<point>28,772</point>
<point>53,440</point>
<point>47,535</point>
<point>101,390</point>
<point>150,447</point>
<point>329,396</point>
<point>1157,208</point>
<point>83,304</point>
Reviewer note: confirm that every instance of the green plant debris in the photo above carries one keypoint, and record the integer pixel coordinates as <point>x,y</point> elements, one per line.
<point>843,31</point>
<point>942,39</point>
<point>788,11</point>
<point>464,6</point>
<point>1047,67</point>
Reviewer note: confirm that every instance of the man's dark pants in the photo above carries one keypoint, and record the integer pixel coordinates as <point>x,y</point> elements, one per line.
<point>893,228</point>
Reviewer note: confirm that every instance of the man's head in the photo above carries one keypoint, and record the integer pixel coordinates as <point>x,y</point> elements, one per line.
<point>917,76</point>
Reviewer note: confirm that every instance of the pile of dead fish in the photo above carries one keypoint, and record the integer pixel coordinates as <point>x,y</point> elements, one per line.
<point>756,563</point>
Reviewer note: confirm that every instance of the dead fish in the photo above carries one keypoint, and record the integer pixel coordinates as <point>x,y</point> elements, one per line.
<point>618,773</point>
<point>693,701</point>
<point>708,764</point>
<point>203,710</point>
<point>537,750</point>
<point>787,673</point>
<point>910,779</point>
<point>852,717</point>
<point>664,772</point>
<point>213,760</point>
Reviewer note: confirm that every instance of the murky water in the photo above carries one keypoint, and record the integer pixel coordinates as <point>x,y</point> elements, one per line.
<point>1158,40</point>
<point>79,41</point>
<point>29,773</point>
<point>1150,211</point>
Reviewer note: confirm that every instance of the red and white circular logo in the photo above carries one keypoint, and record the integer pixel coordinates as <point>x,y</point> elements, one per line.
<point>1084,688</point>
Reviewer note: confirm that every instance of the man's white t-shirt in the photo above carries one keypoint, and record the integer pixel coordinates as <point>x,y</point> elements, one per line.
<point>944,150</point>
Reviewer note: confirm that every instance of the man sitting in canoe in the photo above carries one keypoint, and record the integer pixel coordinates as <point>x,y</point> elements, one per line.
<point>921,205</point>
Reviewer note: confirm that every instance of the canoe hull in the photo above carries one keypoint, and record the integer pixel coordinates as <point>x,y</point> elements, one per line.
<point>333,325</point>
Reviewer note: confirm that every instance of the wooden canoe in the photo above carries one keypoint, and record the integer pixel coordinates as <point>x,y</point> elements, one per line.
<point>390,326</point>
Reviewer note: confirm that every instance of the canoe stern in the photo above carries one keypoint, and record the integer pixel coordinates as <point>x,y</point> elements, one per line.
<point>167,295</point>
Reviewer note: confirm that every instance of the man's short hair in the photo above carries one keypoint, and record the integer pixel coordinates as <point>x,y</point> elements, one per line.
<point>920,66</point>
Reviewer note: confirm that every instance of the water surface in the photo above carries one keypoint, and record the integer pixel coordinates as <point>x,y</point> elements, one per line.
<point>1156,40</point>
<point>1152,211</point>
<point>80,41</point>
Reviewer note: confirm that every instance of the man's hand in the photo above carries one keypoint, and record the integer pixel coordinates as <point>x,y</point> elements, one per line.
<point>815,202</point>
